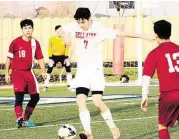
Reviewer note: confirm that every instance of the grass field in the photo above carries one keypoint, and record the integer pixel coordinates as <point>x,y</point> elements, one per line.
<point>132,121</point>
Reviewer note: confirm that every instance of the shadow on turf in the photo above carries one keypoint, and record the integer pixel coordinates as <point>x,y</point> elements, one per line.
<point>56,121</point>
<point>95,113</point>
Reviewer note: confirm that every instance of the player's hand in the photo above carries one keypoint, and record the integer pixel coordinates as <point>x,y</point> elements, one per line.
<point>67,62</point>
<point>50,63</point>
<point>144,104</point>
<point>7,78</point>
<point>44,75</point>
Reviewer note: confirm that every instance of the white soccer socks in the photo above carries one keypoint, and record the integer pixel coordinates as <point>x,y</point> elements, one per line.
<point>85,120</point>
<point>108,118</point>
<point>47,80</point>
<point>69,77</point>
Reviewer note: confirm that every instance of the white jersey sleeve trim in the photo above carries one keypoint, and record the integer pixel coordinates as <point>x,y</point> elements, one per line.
<point>11,55</point>
<point>33,47</point>
<point>145,86</point>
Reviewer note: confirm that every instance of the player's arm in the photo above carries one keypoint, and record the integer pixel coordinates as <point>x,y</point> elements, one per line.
<point>39,57</point>
<point>7,66</point>
<point>50,61</point>
<point>145,92</point>
<point>67,37</point>
<point>42,66</point>
<point>70,51</point>
<point>10,56</point>
<point>66,50</point>
<point>113,33</point>
<point>60,32</point>
<point>67,61</point>
<point>50,49</point>
<point>135,35</point>
<point>148,72</point>
<point>66,32</point>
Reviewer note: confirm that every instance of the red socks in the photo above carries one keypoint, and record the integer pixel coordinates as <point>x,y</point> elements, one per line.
<point>18,111</point>
<point>164,134</point>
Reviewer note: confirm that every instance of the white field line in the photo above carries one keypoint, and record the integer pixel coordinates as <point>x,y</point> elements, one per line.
<point>118,120</point>
<point>128,102</point>
<point>62,105</point>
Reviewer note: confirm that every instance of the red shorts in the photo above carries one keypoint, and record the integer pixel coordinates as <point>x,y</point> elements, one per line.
<point>168,108</point>
<point>24,81</point>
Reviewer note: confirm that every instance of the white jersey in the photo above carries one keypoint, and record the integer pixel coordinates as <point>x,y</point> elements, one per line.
<point>88,44</point>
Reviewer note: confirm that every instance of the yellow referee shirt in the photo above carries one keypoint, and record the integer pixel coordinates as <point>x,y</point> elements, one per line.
<point>57,47</point>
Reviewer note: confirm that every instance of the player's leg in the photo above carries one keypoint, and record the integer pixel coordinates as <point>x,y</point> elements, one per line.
<point>162,113</point>
<point>51,64</point>
<point>33,90</point>
<point>19,97</point>
<point>168,112</point>
<point>47,80</point>
<point>97,87</point>
<point>34,98</point>
<point>68,75</point>
<point>105,112</point>
<point>84,114</point>
<point>163,132</point>
<point>18,85</point>
<point>68,70</point>
<point>81,83</point>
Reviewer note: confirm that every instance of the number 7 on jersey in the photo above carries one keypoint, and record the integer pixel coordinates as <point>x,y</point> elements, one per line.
<point>85,43</point>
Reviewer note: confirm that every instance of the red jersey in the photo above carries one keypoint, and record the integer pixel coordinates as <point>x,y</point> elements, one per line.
<point>22,53</point>
<point>165,60</point>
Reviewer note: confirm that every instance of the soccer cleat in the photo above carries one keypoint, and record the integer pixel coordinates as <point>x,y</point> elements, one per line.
<point>85,135</point>
<point>45,89</point>
<point>28,124</point>
<point>19,122</point>
<point>115,132</point>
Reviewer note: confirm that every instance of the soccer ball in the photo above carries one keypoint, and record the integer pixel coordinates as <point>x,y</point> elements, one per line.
<point>67,131</point>
<point>124,79</point>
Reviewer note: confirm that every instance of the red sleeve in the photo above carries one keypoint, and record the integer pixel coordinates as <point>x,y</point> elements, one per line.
<point>11,50</point>
<point>38,53</point>
<point>149,65</point>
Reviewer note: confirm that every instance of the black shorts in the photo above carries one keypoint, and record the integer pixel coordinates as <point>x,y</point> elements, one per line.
<point>85,91</point>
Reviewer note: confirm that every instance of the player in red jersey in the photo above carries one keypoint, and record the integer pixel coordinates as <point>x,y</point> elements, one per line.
<point>22,51</point>
<point>165,60</point>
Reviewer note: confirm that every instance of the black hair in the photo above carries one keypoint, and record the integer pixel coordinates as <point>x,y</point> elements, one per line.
<point>82,13</point>
<point>26,22</point>
<point>163,29</point>
<point>57,27</point>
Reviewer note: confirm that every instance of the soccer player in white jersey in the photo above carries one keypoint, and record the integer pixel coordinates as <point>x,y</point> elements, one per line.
<point>89,37</point>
